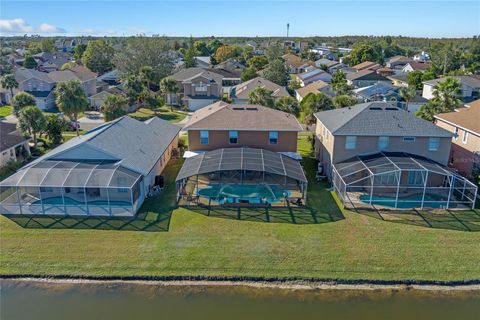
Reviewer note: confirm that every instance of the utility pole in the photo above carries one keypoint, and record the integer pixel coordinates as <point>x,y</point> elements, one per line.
<point>288,28</point>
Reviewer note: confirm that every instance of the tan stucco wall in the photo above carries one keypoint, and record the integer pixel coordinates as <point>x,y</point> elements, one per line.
<point>287,141</point>
<point>7,156</point>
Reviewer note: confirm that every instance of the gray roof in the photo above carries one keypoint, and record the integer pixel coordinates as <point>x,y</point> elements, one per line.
<point>138,145</point>
<point>242,159</point>
<point>215,74</point>
<point>465,80</point>
<point>10,136</point>
<point>378,119</point>
<point>366,75</point>
<point>243,90</point>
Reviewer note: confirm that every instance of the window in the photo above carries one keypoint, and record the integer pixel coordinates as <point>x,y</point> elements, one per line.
<point>273,137</point>
<point>200,87</point>
<point>408,139</point>
<point>455,134</point>
<point>433,144</point>
<point>386,179</point>
<point>465,137</point>
<point>415,178</point>
<point>233,137</point>
<point>351,142</point>
<point>383,143</point>
<point>203,137</point>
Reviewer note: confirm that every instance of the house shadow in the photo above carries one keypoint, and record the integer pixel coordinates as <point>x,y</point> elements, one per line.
<point>292,215</point>
<point>465,220</point>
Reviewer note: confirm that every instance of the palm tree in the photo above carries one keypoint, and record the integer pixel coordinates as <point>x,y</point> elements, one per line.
<point>22,100</point>
<point>313,103</point>
<point>287,104</point>
<point>168,86</point>
<point>9,82</point>
<point>447,93</point>
<point>115,106</point>
<point>31,121</point>
<point>407,94</point>
<point>148,75</point>
<point>261,96</point>
<point>71,99</point>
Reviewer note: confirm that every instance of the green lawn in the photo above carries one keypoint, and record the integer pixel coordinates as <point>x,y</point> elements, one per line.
<point>321,242</point>
<point>163,112</point>
<point>5,111</point>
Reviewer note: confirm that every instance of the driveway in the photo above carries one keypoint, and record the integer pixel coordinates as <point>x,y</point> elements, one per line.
<point>91,120</point>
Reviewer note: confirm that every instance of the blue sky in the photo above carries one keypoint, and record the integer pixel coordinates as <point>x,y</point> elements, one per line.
<point>241,18</point>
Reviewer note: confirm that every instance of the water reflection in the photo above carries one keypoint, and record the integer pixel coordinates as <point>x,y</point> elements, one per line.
<point>33,300</point>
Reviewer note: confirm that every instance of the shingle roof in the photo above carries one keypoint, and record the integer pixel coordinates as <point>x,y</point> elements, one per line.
<point>378,119</point>
<point>312,88</point>
<point>10,137</point>
<point>216,74</point>
<point>77,73</point>
<point>420,66</point>
<point>328,63</point>
<point>224,116</point>
<point>366,65</point>
<point>22,74</point>
<point>467,117</point>
<point>243,90</point>
<point>366,75</point>
<point>137,144</point>
<point>466,80</point>
<point>310,74</point>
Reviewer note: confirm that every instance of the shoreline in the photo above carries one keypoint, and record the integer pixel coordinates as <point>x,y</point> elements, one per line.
<point>364,285</point>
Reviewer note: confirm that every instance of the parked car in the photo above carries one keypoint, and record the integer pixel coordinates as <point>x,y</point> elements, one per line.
<point>73,125</point>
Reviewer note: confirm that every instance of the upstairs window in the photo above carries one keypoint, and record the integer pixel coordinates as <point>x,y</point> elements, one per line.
<point>233,137</point>
<point>203,137</point>
<point>351,142</point>
<point>273,137</point>
<point>383,143</point>
<point>433,144</point>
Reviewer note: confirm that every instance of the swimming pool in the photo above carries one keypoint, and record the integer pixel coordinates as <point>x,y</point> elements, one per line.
<point>234,193</point>
<point>73,202</point>
<point>412,201</point>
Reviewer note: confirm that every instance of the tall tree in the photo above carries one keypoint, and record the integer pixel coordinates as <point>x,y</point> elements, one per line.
<point>114,106</point>
<point>98,56</point>
<point>288,104</point>
<point>29,62</point>
<point>248,74</point>
<point>407,94</point>
<point>168,86</point>
<point>363,51</point>
<point>415,79</point>
<point>274,51</point>
<point>257,62</point>
<point>339,83</point>
<point>9,82</point>
<point>261,96</point>
<point>71,99</point>
<point>226,52</point>
<point>79,50</point>
<point>54,128</point>
<point>148,76</point>
<point>201,48</point>
<point>189,57</point>
<point>427,111</point>
<point>32,122</point>
<point>145,51</point>
<point>134,88</point>
<point>153,102</point>
<point>313,103</point>
<point>447,93</point>
<point>276,72</point>
<point>22,100</point>
<point>343,101</point>
<point>47,45</point>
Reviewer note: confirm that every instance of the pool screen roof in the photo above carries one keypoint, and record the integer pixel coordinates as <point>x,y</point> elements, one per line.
<point>52,174</point>
<point>242,159</point>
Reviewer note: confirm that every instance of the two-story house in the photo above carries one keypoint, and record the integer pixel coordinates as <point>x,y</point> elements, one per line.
<point>201,87</point>
<point>223,125</point>
<point>470,87</point>
<point>241,92</point>
<point>365,78</point>
<point>464,123</point>
<point>374,127</point>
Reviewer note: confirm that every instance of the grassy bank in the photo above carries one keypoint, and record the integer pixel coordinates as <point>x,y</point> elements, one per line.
<point>163,113</point>
<point>322,242</point>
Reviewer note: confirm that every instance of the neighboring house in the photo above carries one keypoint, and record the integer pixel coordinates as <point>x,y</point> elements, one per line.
<point>240,93</point>
<point>231,65</point>
<point>399,79</point>
<point>380,91</point>
<point>84,75</point>
<point>332,66</point>
<point>422,56</point>
<point>295,64</point>
<point>365,78</point>
<point>398,62</point>
<point>68,45</point>
<point>416,66</point>
<point>464,123</point>
<point>223,125</point>
<point>367,65</point>
<point>11,143</point>
<point>94,174</point>
<point>203,62</point>
<point>313,75</point>
<point>414,104</point>
<point>111,77</point>
<point>314,87</point>
<point>201,87</point>
<point>470,87</point>
<point>49,62</point>
<point>385,71</point>
<point>373,127</point>
<point>96,101</point>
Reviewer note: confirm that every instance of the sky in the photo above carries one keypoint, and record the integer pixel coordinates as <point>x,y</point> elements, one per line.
<point>241,18</point>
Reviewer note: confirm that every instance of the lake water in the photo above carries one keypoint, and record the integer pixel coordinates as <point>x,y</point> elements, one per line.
<point>34,300</point>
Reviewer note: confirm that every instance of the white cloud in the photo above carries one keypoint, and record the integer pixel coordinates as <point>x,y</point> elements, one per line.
<point>20,26</point>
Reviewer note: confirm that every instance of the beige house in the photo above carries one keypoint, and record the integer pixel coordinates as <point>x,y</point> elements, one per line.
<point>223,125</point>
<point>314,87</point>
<point>464,123</point>
<point>374,127</point>
<point>11,143</point>
<point>240,93</point>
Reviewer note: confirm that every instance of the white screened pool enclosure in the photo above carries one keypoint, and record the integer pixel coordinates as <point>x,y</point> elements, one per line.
<point>50,187</point>
<point>241,177</point>
<point>390,180</point>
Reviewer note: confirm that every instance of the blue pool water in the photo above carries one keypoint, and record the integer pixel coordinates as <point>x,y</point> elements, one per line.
<point>73,202</point>
<point>404,203</point>
<point>244,193</point>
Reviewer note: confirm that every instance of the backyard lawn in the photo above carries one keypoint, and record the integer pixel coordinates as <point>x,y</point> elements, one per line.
<point>5,111</point>
<point>320,242</point>
<point>163,112</point>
